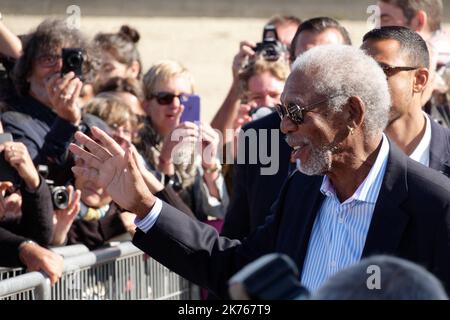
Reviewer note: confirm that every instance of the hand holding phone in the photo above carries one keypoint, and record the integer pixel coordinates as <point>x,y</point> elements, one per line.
<point>191,110</point>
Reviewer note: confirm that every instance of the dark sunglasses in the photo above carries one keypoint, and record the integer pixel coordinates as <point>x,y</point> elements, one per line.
<point>391,70</point>
<point>295,112</point>
<point>166,98</point>
<point>48,60</point>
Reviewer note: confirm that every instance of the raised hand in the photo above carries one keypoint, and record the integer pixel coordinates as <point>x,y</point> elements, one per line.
<point>63,219</point>
<point>16,153</point>
<point>114,169</point>
<point>245,52</point>
<point>63,94</point>
<point>243,115</point>
<point>210,144</point>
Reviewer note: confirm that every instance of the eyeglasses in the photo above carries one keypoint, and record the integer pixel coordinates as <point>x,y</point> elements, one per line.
<point>48,60</point>
<point>297,113</point>
<point>166,98</point>
<point>389,71</point>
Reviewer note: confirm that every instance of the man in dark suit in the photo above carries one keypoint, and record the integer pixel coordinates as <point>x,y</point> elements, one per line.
<point>356,193</point>
<point>404,57</point>
<point>253,191</point>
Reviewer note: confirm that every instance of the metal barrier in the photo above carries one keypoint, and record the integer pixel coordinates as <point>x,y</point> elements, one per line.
<point>116,273</point>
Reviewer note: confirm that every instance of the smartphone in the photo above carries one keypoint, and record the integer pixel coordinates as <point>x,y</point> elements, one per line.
<point>191,110</point>
<point>7,172</point>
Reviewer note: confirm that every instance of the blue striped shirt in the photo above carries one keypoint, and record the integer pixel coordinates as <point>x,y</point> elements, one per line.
<point>340,229</point>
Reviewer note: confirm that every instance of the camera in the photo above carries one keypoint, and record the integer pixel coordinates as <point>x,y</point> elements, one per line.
<point>270,48</point>
<point>271,277</point>
<point>59,194</point>
<point>73,59</point>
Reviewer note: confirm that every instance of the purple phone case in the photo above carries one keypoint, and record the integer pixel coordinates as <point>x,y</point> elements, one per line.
<point>191,110</point>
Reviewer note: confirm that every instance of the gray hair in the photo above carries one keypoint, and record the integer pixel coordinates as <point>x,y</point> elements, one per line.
<point>348,72</point>
<point>399,280</point>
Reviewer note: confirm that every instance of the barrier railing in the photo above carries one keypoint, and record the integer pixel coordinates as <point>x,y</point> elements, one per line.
<point>122,272</point>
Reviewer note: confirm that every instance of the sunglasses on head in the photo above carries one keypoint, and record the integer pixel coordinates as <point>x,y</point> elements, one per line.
<point>166,98</point>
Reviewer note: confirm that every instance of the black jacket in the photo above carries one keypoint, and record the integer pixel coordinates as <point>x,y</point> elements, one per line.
<point>440,148</point>
<point>254,193</point>
<point>46,136</point>
<point>95,233</point>
<point>35,224</point>
<point>411,220</point>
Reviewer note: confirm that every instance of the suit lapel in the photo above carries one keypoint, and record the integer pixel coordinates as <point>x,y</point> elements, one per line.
<point>389,220</point>
<point>439,149</point>
<point>300,216</point>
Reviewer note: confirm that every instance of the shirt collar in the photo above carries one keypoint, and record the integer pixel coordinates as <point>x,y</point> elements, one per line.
<point>365,191</point>
<point>422,152</point>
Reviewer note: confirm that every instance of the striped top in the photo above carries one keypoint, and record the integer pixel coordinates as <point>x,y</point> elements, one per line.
<point>340,229</point>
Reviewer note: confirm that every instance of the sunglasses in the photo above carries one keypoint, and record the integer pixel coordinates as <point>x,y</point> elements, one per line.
<point>295,112</point>
<point>165,98</point>
<point>48,60</point>
<point>389,71</point>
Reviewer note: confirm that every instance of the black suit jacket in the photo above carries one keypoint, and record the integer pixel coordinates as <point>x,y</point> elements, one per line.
<point>254,193</point>
<point>35,223</point>
<point>440,148</point>
<point>411,220</point>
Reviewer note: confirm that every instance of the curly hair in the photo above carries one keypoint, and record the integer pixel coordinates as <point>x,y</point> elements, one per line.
<point>49,37</point>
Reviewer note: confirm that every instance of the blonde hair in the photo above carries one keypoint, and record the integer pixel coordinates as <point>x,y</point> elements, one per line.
<point>279,69</point>
<point>112,110</point>
<point>163,71</point>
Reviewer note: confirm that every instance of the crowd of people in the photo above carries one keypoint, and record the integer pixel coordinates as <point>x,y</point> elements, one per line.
<point>359,136</point>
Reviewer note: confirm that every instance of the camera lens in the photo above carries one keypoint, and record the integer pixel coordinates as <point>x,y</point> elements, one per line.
<point>60,198</point>
<point>271,54</point>
<point>75,60</point>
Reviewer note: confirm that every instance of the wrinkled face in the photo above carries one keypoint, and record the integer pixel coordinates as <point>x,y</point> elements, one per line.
<point>309,39</point>
<point>43,68</point>
<point>110,68</point>
<point>400,83</point>
<point>264,90</point>
<point>165,117</point>
<point>391,15</point>
<point>315,140</point>
<point>91,194</point>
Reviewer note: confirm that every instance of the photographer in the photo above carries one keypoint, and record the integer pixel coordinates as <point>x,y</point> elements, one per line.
<point>261,84</point>
<point>47,114</point>
<point>227,114</point>
<point>23,236</point>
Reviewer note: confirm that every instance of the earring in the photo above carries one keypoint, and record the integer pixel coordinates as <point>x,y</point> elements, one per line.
<point>350,129</point>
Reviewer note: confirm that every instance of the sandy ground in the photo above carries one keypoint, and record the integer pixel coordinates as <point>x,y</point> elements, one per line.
<point>205,45</point>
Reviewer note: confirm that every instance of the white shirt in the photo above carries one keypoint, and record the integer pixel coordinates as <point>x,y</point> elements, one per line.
<point>422,152</point>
